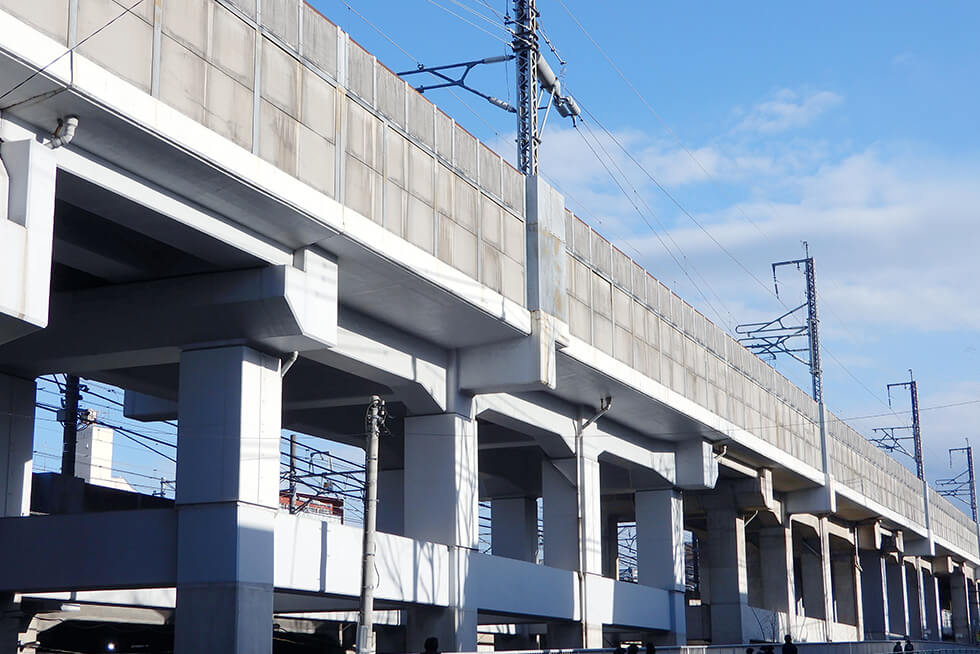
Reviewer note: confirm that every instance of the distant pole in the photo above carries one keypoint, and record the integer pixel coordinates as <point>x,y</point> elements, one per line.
<point>70,421</point>
<point>375,415</point>
<point>526,52</point>
<point>292,473</point>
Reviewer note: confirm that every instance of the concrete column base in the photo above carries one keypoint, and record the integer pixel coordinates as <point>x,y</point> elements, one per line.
<point>454,627</point>
<point>224,618</point>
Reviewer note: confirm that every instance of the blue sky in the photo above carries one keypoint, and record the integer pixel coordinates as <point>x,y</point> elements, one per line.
<point>850,125</point>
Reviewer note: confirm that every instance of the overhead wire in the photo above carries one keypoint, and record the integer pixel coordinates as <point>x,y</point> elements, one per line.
<point>708,174</point>
<point>466,20</point>
<point>643,217</point>
<point>419,62</point>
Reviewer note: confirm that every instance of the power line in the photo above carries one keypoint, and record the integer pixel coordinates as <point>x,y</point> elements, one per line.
<point>467,21</point>
<point>644,218</point>
<point>418,62</point>
<point>703,169</point>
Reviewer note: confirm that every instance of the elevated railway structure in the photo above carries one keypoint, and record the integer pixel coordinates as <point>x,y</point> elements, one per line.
<point>242,182</point>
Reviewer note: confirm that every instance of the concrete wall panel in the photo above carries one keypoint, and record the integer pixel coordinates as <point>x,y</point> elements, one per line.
<point>278,134</point>
<point>421,118</point>
<point>186,21</point>
<point>465,151</point>
<point>467,205</point>
<point>319,41</point>
<point>281,18</point>
<point>360,72</point>
<point>49,16</point>
<point>391,94</point>
<point>129,33</point>
<point>318,110</point>
<point>183,79</point>
<point>233,46</point>
<point>280,78</point>
<point>229,108</point>
<point>444,135</point>
<point>316,161</point>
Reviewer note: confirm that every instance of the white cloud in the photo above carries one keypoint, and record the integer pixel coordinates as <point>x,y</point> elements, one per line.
<point>786,109</point>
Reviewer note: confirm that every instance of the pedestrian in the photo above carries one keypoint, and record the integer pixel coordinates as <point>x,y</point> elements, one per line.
<point>431,645</point>
<point>633,649</point>
<point>788,646</point>
<point>898,647</point>
<point>749,650</point>
<point>908,645</point>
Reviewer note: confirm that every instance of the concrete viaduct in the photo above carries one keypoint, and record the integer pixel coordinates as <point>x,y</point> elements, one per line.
<point>246,182</point>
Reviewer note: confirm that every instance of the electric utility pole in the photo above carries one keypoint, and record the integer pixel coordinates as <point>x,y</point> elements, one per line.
<point>893,443</point>
<point>526,56</point>
<point>535,79</point>
<point>374,420</point>
<point>292,473</point>
<point>69,418</point>
<point>781,336</point>
<point>957,486</point>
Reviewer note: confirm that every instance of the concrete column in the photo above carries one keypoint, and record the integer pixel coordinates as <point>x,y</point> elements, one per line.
<point>559,507</point>
<point>660,551</point>
<point>778,578</point>
<point>827,576</point>
<point>874,594</point>
<point>930,592</point>
<point>913,584</point>
<point>442,506</point>
<point>845,595</point>
<point>16,445</point>
<point>514,528</point>
<point>391,501</point>
<point>961,606</point>
<point>898,613</point>
<point>27,189</point>
<point>971,589</point>
<point>230,408</point>
<point>728,596</point>
<point>610,545</point>
<point>561,504</point>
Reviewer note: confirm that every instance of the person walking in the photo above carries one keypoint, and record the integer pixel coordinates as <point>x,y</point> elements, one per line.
<point>908,645</point>
<point>789,647</point>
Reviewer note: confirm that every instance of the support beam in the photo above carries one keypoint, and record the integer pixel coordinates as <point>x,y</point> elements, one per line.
<point>230,410</point>
<point>279,308</point>
<point>27,189</point>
